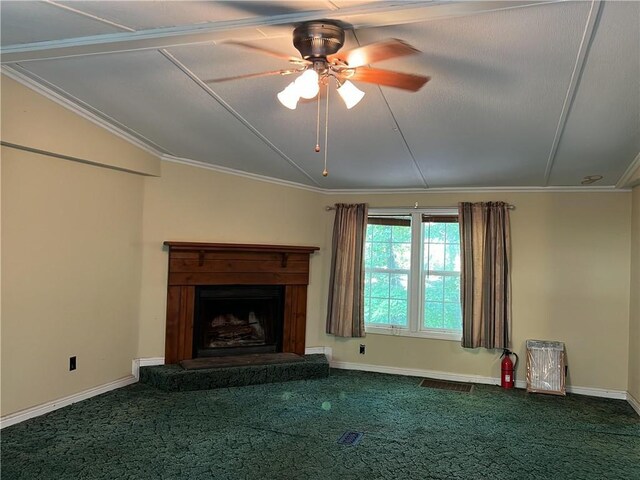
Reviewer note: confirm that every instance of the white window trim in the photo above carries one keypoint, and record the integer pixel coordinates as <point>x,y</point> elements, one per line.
<point>416,287</point>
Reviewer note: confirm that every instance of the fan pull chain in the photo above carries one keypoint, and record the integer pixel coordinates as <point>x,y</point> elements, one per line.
<point>325,172</point>
<point>317,149</point>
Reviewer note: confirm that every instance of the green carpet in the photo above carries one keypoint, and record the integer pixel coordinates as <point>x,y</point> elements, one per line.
<point>290,431</point>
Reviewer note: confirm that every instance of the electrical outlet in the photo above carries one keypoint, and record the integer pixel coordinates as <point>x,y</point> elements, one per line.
<point>72,363</point>
<point>362,347</point>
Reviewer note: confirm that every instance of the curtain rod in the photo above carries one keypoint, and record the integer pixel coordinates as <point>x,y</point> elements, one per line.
<point>414,207</point>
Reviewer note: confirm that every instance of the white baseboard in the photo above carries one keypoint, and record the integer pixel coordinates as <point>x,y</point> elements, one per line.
<point>144,362</point>
<point>597,392</point>
<point>457,377</point>
<point>633,402</point>
<point>38,410</point>
<point>415,372</point>
<point>327,351</point>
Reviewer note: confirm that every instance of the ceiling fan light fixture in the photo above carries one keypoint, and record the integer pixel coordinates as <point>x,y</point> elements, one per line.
<point>307,84</point>
<point>289,96</point>
<point>350,94</point>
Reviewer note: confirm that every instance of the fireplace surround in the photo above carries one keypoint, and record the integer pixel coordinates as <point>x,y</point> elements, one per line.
<point>240,274</point>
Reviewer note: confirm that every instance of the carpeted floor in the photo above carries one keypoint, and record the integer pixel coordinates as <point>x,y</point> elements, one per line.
<point>290,431</point>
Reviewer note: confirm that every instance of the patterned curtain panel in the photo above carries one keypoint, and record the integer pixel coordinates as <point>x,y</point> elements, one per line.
<point>486,274</point>
<point>345,314</point>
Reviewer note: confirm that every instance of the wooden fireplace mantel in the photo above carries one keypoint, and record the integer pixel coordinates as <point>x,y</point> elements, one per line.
<point>200,264</point>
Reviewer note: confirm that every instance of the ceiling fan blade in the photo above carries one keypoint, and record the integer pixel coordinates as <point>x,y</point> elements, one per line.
<point>266,51</point>
<point>252,75</point>
<point>405,81</point>
<point>374,52</point>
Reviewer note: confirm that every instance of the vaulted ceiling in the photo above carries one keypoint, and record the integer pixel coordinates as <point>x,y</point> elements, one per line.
<point>523,94</point>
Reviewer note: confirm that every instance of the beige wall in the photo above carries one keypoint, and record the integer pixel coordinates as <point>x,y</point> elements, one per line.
<point>33,121</point>
<point>570,283</point>
<point>71,251</point>
<point>193,204</point>
<point>634,318</point>
<point>70,276</point>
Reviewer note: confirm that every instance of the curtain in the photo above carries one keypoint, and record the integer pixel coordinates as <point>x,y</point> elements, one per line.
<point>485,274</point>
<point>345,313</point>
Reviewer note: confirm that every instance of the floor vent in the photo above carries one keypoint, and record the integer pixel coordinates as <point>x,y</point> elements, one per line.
<point>446,385</point>
<point>350,438</point>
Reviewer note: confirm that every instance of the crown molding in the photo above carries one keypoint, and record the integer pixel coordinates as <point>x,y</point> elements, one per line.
<point>71,103</point>
<point>436,190</point>
<point>240,173</point>
<point>393,191</point>
<point>625,179</point>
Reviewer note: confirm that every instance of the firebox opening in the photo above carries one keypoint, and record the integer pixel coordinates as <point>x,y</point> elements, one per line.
<point>237,320</point>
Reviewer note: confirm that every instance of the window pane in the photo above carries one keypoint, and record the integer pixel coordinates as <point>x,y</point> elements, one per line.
<point>401,256</point>
<point>453,232</point>
<point>435,256</point>
<point>380,233</point>
<point>452,257</point>
<point>452,316</point>
<point>433,286</point>
<point>433,315</point>
<point>380,285</point>
<point>379,311</point>
<point>398,312</point>
<point>399,286</point>
<point>388,247</point>
<point>435,232</point>
<point>401,234</point>
<point>367,285</point>
<point>380,253</point>
<point>451,289</point>
<point>367,308</point>
<point>441,244</point>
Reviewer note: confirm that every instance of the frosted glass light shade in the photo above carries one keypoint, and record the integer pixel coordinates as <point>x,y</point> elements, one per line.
<point>289,96</point>
<point>350,94</point>
<point>307,84</point>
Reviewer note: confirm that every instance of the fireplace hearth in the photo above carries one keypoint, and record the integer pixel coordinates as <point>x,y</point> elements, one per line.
<point>227,299</point>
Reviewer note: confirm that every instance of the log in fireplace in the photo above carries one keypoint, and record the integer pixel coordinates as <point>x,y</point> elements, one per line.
<point>227,299</point>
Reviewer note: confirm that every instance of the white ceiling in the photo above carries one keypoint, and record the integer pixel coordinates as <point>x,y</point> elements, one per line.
<point>523,94</point>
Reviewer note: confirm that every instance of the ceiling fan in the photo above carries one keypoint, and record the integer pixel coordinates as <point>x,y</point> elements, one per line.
<point>319,43</point>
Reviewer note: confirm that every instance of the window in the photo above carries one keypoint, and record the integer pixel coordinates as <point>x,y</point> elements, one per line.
<point>412,273</point>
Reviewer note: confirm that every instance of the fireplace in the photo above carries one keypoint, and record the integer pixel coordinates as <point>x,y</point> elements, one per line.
<point>237,319</point>
<point>227,299</point>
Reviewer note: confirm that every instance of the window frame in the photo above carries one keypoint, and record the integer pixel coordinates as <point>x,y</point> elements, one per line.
<point>416,290</point>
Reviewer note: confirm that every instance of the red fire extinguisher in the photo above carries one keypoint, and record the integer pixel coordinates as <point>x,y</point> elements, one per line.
<point>508,369</point>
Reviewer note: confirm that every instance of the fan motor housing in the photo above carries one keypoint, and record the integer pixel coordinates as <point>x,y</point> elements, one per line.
<point>318,39</point>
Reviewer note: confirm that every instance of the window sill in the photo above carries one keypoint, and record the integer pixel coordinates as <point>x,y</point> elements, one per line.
<point>450,335</point>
